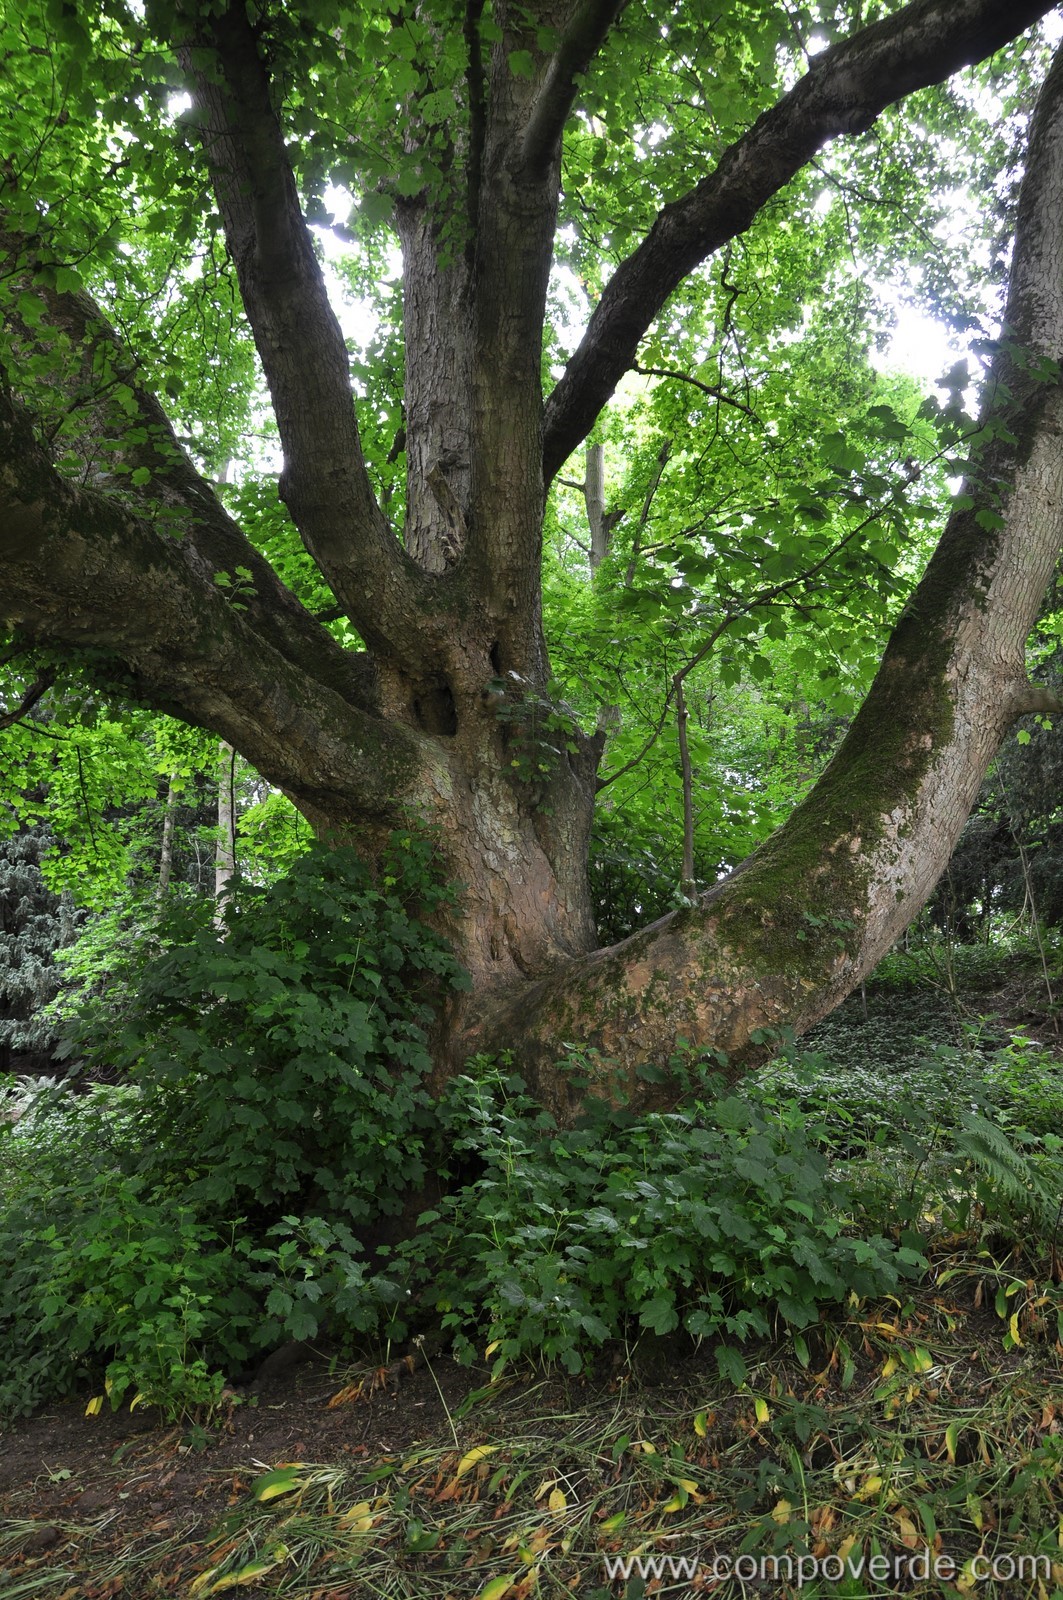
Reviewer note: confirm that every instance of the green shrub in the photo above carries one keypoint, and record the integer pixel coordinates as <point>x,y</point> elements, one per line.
<point>932,962</point>
<point>94,1275</point>
<point>281,1060</point>
<point>159,1233</point>
<point>105,1281</point>
<point>717,1220</point>
<point>965,1136</point>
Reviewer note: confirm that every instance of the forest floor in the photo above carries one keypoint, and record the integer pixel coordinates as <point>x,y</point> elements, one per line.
<point>914,1433</point>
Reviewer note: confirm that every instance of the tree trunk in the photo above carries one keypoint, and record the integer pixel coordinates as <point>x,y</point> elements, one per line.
<point>166,847</point>
<point>594,499</point>
<point>794,929</point>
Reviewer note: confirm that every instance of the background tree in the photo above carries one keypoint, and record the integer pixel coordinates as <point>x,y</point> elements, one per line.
<point>34,924</point>
<point>119,548</point>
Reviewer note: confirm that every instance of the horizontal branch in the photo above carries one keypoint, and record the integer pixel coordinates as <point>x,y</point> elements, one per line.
<point>86,574</point>
<point>843,92</point>
<point>1033,697</point>
<point>111,418</point>
<point>713,391</point>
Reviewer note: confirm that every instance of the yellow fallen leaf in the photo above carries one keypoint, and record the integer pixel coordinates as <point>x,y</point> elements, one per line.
<point>1013,1328</point>
<point>701,1425</point>
<point>781,1513</point>
<point>763,1410</point>
<point>357,1520</point>
<point>250,1573</point>
<point>557,1501</point>
<point>470,1459</point>
<point>273,1484</point>
<point>869,1488</point>
<point>611,1524</point>
<point>95,1406</point>
<point>908,1531</point>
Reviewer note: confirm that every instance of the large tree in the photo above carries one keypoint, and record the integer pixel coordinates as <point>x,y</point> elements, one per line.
<point>451,123</point>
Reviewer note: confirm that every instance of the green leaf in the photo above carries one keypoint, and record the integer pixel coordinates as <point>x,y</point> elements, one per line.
<point>283,1480</point>
<point>732,1365</point>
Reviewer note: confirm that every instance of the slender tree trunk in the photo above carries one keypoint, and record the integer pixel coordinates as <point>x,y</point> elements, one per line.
<point>166,848</point>
<point>594,497</point>
<point>225,845</point>
<point>681,720</point>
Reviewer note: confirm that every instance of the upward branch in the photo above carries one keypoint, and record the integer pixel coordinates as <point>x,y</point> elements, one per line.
<point>843,92</point>
<point>582,40</point>
<point>299,340</point>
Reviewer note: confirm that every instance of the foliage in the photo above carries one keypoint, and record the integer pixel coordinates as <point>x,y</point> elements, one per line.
<point>716,1219</point>
<point>732,1219</point>
<point>98,773</point>
<point>928,960</point>
<point>271,1087</point>
<point>106,1274</point>
<point>963,1135</point>
<point>280,1057</point>
<point>35,924</point>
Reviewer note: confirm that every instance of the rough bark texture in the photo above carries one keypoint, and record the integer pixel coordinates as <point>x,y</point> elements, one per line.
<point>450,609</point>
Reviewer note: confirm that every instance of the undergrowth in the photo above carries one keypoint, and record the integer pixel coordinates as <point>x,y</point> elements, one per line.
<point>158,1236</point>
